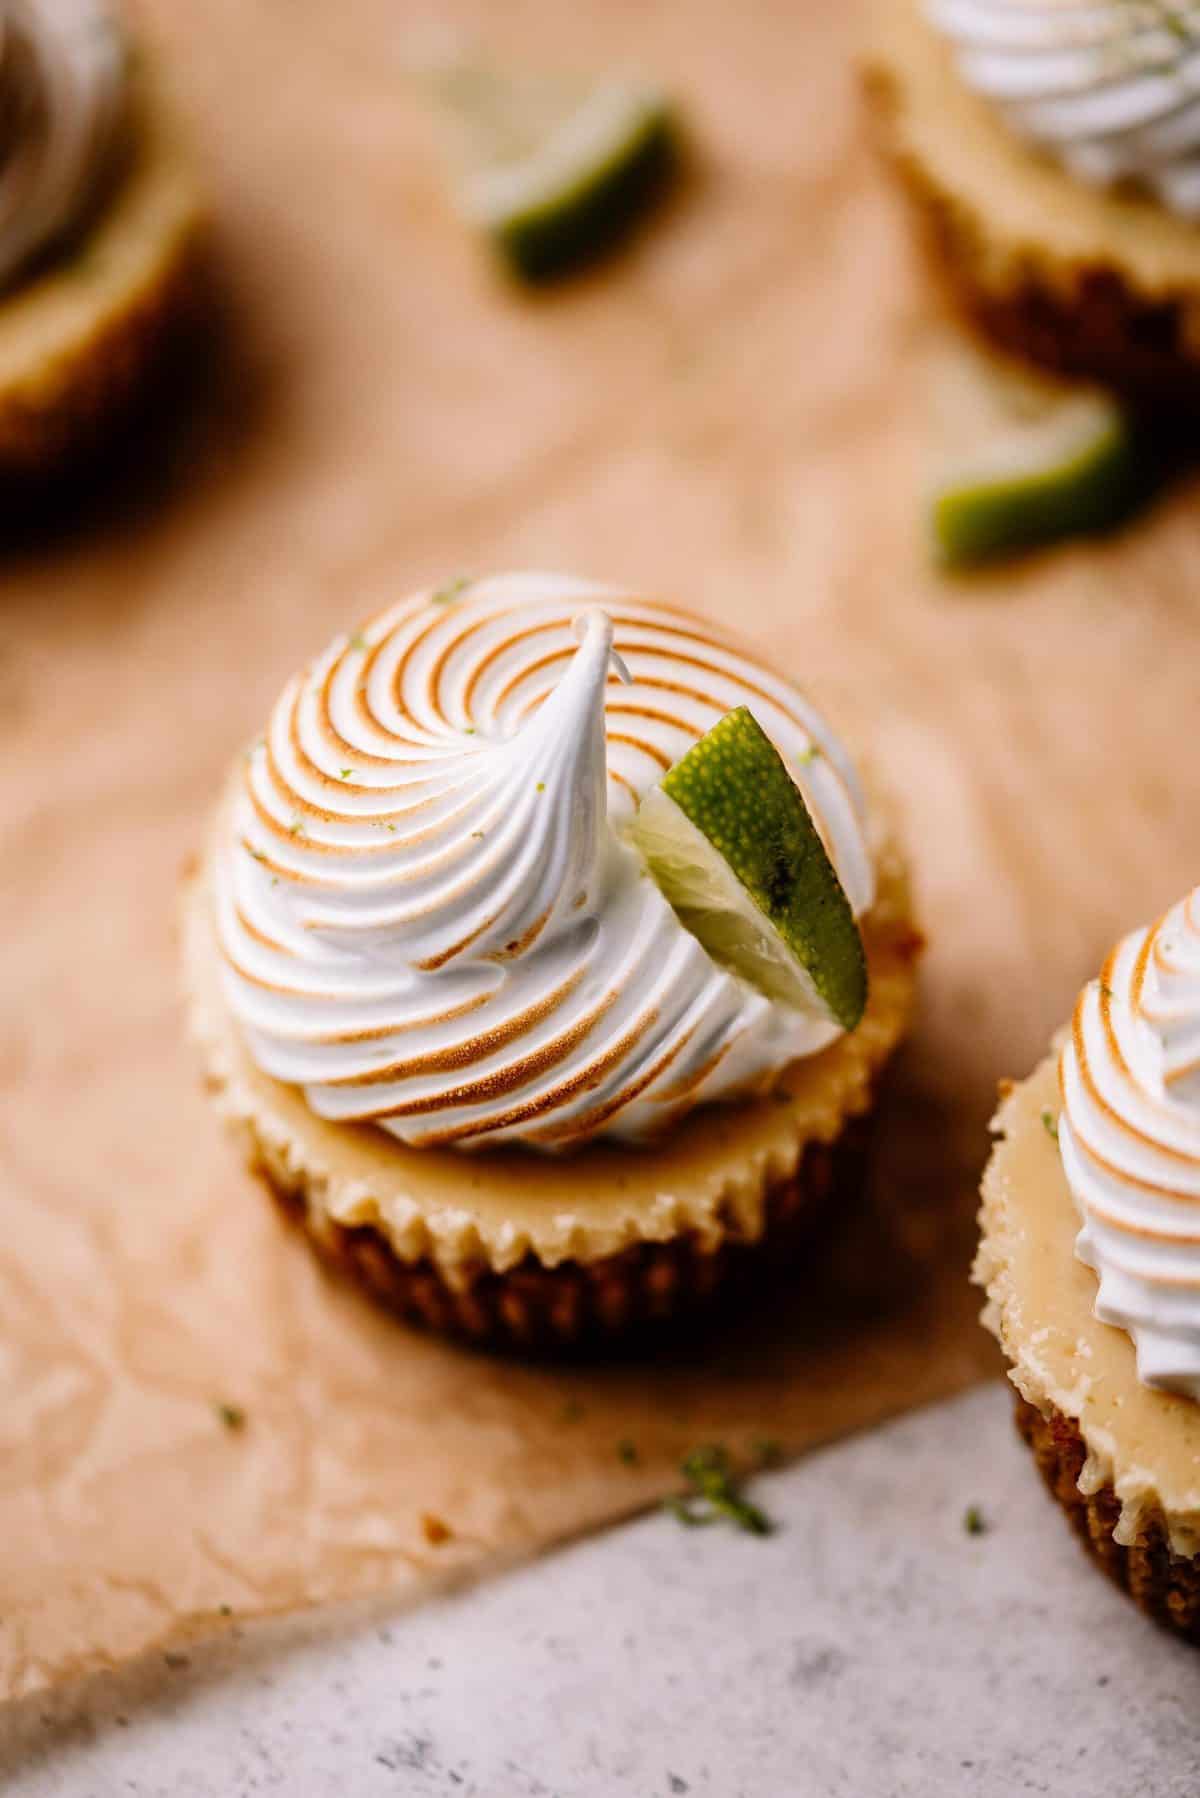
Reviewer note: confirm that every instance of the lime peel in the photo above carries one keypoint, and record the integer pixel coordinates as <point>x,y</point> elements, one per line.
<point>731,843</point>
<point>1024,459</point>
<point>558,171</point>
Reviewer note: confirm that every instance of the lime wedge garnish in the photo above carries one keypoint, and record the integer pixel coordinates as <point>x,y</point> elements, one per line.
<point>1022,459</point>
<point>728,838</point>
<point>555,169</point>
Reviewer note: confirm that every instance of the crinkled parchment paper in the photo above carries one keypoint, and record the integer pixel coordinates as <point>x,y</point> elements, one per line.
<point>728,416</point>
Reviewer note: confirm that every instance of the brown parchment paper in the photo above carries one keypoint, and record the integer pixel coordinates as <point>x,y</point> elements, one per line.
<point>727,415</point>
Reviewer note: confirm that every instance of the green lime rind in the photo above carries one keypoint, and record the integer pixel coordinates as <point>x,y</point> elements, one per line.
<point>729,839</point>
<point>1023,458</point>
<point>1092,491</point>
<point>560,206</point>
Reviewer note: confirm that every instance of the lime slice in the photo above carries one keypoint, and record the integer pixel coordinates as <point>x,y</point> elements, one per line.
<point>729,840</point>
<point>556,169</point>
<point>1023,459</point>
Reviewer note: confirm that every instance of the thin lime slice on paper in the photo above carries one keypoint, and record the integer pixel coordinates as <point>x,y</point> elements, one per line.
<point>556,169</point>
<point>729,839</point>
<point>1022,459</point>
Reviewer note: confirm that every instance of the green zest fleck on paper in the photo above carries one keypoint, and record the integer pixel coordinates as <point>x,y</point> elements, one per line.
<point>974,1522</point>
<point>1050,1124</point>
<point>714,1495</point>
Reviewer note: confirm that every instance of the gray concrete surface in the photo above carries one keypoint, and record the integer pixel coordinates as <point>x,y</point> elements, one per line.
<point>872,1648</point>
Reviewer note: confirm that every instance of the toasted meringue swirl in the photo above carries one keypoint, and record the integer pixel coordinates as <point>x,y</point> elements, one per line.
<point>1111,88</point>
<point>428,913</point>
<point>1129,1136</point>
<point>62,104</point>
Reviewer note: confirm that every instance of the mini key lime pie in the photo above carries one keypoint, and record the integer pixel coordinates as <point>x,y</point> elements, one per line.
<point>542,952</point>
<point>99,228</point>
<point>1054,149</point>
<point>1091,1260</point>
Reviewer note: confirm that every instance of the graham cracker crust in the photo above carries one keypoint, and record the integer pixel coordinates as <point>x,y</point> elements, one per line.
<point>1165,1586</point>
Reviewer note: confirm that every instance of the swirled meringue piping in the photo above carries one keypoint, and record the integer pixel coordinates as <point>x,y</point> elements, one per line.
<point>428,913</point>
<point>1129,1136</point>
<point>1111,88</point>
<point>62,107</point>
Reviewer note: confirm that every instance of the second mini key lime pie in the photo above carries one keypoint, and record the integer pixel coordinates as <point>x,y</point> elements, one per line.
<point>1091,1260</point>
<point>101,228</point>
<point>543,951</point>
<point>1053,147</point>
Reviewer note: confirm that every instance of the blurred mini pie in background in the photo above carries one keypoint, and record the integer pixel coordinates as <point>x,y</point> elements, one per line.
<point>100,225</point>
<point>1090,1255</point>
<point>1053,149</point>
<point>542,952</point>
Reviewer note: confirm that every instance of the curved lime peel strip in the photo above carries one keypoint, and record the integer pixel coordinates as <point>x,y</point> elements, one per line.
<point>556,169</point>
<point>1022,459</point>
<point>731,843</point>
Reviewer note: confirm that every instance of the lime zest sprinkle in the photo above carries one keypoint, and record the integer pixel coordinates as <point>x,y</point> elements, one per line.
<point>232,1416</point>
<point>357,641</point>
<point>444,596</point>
<point>1050,1124</point>
<point>714,1495</point>
<point>974,1521</point>
<point>346,773</point>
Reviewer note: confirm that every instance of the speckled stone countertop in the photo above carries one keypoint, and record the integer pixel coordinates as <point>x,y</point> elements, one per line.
<point>873,1648</point>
